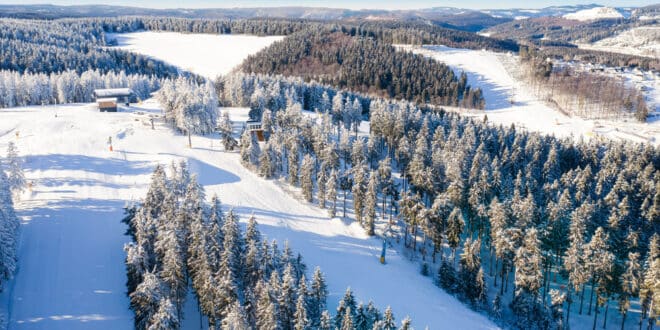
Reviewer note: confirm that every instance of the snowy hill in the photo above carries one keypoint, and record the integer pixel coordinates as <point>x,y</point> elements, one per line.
<point>510,101</point>
<point>71,270</point>
<point>71,262</point>
<point>593,14</point>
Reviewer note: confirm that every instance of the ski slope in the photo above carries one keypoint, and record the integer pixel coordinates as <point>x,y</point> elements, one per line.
<point>509,100</point>
<point>71,271</point>
<point>209,55</point>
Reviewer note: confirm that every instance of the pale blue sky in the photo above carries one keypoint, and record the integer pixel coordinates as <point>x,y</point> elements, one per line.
<point>351,4</point>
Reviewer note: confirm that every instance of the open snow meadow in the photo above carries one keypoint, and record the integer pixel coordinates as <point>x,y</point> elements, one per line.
<point>71,271</point>
<point>208,55</point>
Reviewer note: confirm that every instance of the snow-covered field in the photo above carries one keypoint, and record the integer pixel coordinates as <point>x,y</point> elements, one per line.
<point>209,55</point>
<point>642,41</point>
<point>492,72</point>
<point>71,271</point>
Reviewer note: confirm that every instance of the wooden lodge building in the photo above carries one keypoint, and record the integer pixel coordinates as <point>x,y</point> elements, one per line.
<point>107,99</point>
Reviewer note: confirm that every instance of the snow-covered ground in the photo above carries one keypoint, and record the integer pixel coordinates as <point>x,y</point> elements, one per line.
<point>209,55</point>
<point>71,271</point>
<point>642,41</point>
<point>595,14</point>
<point>492,72</point>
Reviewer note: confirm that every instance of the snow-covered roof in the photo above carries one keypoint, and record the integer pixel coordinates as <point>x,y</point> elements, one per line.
<point>112,92</point>
<point>107,99</point>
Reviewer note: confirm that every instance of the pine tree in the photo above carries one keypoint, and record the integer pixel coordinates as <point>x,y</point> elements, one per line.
<point>557,314</point>
<point>226,132</point>
<point>331,193</point>
<point>266,313</point>
<point>447,277</point>
<point>245,144</point>
<point>358,192</point>
<point>361,319</point>
<point>286,300</point>
<point>254,151</point>
<point>406,324</point>
<point>630,284</point>
<point>306,178</point>
<point>455,225</point>
<point>526,305</point>
<point>321,182</point>
<point>15,176</point>
<point>165,318</point>
<point>599,260</point>
<point>470,274</point>
<point>574,261</point>
<point>266,164</point>
<point>235,318</point>
<point>293,163</point>
<point>370,202</point>
<point>318,295</point>
<point>301,321</point>
<point>347,320</point>
<point>326,321</point>
<point>145,300</point>
<point>649,292</point>
<point>388,322</point>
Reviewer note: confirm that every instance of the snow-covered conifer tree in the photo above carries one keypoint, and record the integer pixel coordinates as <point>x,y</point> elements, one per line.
<point>370,201</point>
<point>331,193</point>
<point>306,179</point>
<point>15,176</point>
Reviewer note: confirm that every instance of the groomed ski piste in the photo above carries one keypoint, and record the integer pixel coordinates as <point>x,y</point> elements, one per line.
<point>71,272</point>
<point>495,74</point>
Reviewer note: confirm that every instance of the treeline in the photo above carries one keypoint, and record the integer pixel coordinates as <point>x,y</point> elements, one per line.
<point>549,212</point>
<point>57,88</point>
<point>12,184</point>
<point>240,279</point>
<point>364,65</point>
<point>32,46</point>
<point>414,32</point>
<point>588,95</point>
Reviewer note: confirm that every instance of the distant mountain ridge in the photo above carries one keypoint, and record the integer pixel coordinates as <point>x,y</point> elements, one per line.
<point>456,18</point>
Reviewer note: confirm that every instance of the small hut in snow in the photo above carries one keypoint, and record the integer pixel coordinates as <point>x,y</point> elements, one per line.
<point>107,98</point>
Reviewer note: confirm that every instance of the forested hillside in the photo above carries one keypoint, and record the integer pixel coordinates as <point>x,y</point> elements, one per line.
<point>547,211</point>
<point>57,46</point>
<point>364,65</point>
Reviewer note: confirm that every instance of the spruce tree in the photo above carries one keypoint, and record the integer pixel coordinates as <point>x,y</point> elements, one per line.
<point>331,193</point>
<point>370,202</point>
<point>455,225</point>
<point>358,192</point>
<point>15,176</point>
<point>526,305</point>
<point>306,178</point>
<point>326,321</point>
<point>388,322</point>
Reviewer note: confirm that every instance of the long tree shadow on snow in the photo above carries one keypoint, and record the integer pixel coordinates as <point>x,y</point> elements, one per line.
<point>72,261</point>
<point>111,166</point>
